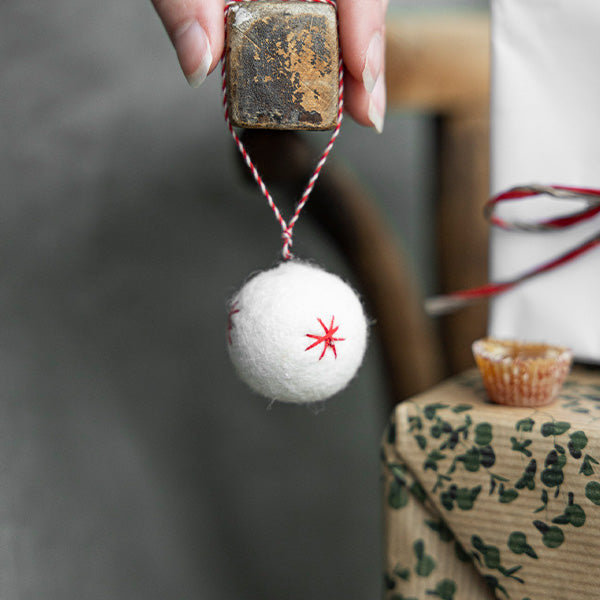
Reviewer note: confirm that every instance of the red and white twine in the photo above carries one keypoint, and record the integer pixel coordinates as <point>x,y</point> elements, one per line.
<point>287,227</point>
<point>447,303</point>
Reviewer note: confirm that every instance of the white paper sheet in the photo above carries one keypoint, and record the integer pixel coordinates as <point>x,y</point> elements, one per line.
<point>546,130</point>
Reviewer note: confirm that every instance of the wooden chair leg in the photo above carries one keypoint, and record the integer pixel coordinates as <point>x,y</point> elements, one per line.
<point>463,176</point>
<point>439,65</point>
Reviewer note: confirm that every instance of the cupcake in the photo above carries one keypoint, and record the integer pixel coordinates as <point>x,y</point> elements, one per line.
<point>520,373</point>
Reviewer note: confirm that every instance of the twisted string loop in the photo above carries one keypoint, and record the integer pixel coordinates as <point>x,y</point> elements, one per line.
<point>449,303</point>
<point>287,228</point>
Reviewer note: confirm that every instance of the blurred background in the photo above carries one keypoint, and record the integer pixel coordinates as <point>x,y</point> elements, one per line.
<point>133,463</point>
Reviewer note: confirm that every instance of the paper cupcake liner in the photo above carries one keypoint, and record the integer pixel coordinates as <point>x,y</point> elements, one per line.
<point>520,373</point>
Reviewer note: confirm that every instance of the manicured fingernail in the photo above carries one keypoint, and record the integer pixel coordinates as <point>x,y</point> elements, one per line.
<point>193,51</point>
<point>373,62</point>
<point>377,104</point>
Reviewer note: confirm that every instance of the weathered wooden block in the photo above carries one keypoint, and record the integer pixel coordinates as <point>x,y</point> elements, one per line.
<point>282,65</point>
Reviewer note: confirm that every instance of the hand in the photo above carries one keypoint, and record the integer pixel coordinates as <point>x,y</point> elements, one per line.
<point>196,30</point>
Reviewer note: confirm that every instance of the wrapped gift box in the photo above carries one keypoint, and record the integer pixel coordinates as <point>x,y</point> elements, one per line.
<point>485,501</point>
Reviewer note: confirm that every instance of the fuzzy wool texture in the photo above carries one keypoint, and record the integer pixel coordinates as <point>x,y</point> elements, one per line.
<point>296,333</point>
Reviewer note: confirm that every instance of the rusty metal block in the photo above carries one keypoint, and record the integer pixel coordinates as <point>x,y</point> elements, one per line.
<point>282,65</point>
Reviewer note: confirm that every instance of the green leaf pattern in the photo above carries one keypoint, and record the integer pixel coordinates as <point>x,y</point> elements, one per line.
<point>459,451</point>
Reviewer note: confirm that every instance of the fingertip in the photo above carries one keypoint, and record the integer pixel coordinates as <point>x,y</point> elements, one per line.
<point>197,33</point>
<point>193,51</point>
<point>376,107</point>
<point>373,63</point>
<point>366,109</point>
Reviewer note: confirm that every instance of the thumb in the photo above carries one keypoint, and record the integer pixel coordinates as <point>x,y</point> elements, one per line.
<point>362,34</point>
<point>196,31</point>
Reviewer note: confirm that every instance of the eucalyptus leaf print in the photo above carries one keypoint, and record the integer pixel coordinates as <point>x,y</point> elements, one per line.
<point>552,536</point>
<point>520,488</point>
<point>527,479</point>
<point>517,543</point>
<point>398,494</point>
<point>445,590</point>
<point>483,434</point>
<point>572,515</point>
<point>587,465</point>
<point>425,563</point>
<point>592,492</point>
<point>577,442</point>
<point>554,428</point>
<point>490,556</point>
<point>525,424</point>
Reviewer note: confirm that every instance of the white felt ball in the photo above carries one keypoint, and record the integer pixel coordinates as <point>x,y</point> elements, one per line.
<point>296,333</point>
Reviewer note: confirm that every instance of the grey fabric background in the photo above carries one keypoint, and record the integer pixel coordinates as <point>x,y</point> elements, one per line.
<point>133,464</point>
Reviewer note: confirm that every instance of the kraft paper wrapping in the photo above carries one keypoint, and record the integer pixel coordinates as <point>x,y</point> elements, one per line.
<point>545,129</point>
<point>483,501</point>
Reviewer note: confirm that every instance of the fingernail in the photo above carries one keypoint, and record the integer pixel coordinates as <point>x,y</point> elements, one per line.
<point>193,51</point>
<point>373,62</point>
<point>376,110</point>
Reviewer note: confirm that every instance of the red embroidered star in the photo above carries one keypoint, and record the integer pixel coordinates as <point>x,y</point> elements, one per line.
<point>232,311</point>
<point>327,339</point>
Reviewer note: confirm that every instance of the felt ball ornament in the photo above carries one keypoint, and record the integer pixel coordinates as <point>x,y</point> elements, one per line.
<point>296,333</point>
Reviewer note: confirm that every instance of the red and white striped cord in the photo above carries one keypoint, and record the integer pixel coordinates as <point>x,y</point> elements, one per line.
<point>448,303</point>
<point>592,208</point>
<point>287,227</point>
